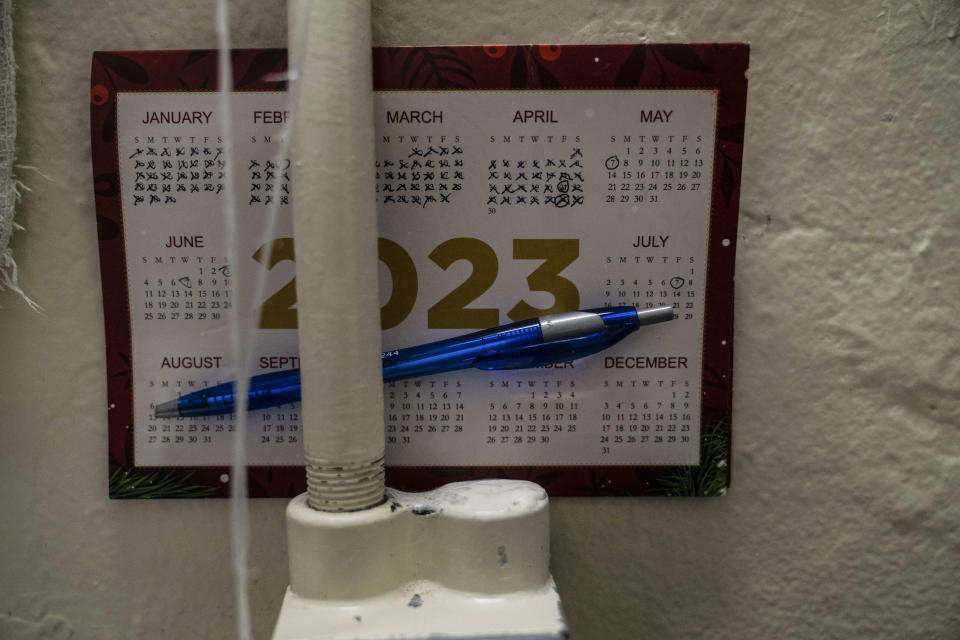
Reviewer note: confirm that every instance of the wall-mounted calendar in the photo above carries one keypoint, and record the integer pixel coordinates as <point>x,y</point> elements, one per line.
<point>512,182</point>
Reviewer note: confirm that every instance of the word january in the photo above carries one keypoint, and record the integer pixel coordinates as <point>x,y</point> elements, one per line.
<point>177,117</point>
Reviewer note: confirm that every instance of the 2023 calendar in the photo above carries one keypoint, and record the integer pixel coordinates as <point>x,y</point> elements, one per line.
<point>512,182</point>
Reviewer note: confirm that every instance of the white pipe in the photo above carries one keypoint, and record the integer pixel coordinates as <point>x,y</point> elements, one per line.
<point>335,225</point>
<point>239,349</point>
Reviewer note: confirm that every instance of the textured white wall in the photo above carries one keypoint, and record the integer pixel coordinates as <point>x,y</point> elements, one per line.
<point>844,516</point>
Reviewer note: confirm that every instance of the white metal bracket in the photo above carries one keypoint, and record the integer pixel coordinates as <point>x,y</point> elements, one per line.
<point>469,560</point>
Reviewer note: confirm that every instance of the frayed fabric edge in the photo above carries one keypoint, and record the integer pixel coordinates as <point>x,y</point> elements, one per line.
<point>9,185</point>
<point>8,278</point>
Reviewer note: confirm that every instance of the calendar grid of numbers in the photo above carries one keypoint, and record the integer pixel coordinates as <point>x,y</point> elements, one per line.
<point>511,182</point>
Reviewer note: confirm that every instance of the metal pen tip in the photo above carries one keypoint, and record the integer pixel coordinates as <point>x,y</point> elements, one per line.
<point>655,315</point>
<point>169,409</point>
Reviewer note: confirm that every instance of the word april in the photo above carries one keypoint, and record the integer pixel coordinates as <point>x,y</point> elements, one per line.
<point>535,115</point>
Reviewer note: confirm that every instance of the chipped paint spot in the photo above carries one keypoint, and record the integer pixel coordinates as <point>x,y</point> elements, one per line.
<point>415,601</point>
<point>502,554</point>
<point>423,510</point>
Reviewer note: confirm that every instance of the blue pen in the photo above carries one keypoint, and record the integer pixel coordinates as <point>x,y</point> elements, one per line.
<point>530,343</point>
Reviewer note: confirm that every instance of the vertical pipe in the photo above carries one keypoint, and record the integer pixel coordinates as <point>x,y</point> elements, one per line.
<point>335,224</point>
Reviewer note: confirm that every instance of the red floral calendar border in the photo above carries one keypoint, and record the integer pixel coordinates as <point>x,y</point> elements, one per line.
<point>720,67</point>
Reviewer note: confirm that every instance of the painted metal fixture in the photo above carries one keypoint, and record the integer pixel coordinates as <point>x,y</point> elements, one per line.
<point>469,560</point>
